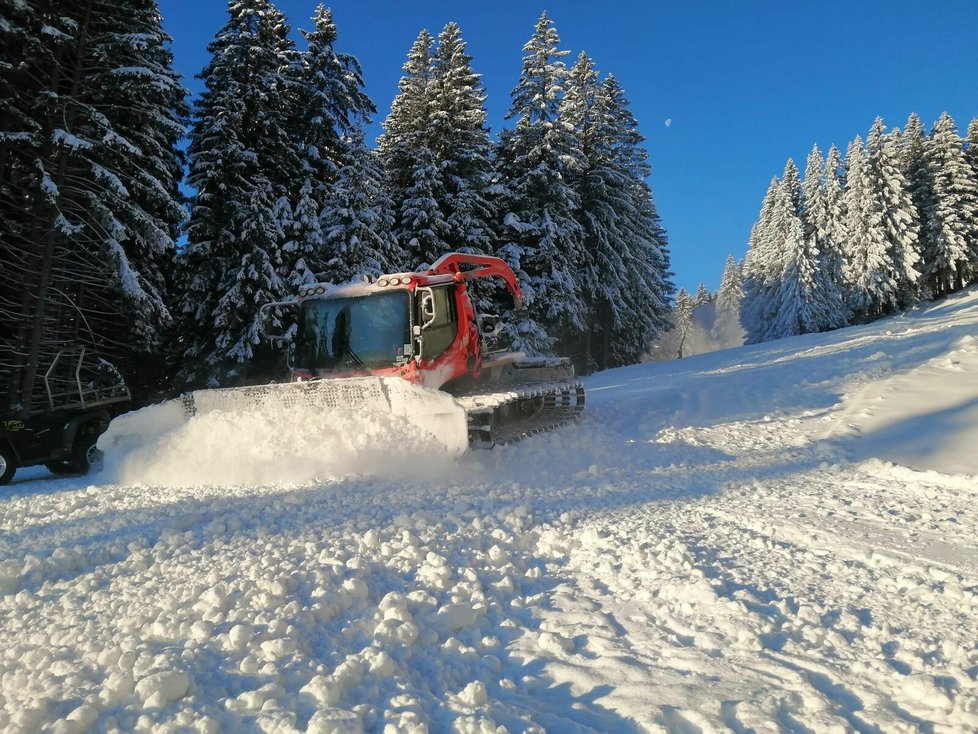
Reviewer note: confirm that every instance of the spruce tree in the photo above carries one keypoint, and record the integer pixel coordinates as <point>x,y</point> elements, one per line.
<point>820,195</point>
<point>971,152</point>
<point>951,218</point>
<point>411,164</point>
<point>644,310</point>
<point>872,287</point>
<point>602,190</point>
<point>92,111</point>
<point>330,110</point>
<point>359,235</point>
<point>831,226</point>
<point>761,267</point>
<point>727,329</point>
<point>778,233</point>
<point>682,319</point>
<point>459,138</point>
<point>242,156</point>
<point>900,218</point>
<point>803,300</point>
<point>542,241</point>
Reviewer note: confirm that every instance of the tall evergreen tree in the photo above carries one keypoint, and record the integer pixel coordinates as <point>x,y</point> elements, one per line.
<point>411,163</point>
<point>242,157</point>
<point>410,114</point>
<point>873,288</point>
<point>682,319</point>
<point>761,268</point>
<point>330,109</point>
<point>360,231</point>
<point>91,114</point>
<point>971,152</point>
<point>900,218</point>
<point>729,297</point>
<point>816,218</point>
<point>459,139</point>
<point>781,232</point>
<point>644,310</point>
<point>951,219</point>
<point>830,221</point>
<point>804,300</point>
<point>542,239</point>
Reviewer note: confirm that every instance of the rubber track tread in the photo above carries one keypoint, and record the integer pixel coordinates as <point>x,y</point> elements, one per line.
<point>540,406</point>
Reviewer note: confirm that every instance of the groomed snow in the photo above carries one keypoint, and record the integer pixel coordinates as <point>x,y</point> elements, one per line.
<point>779,537</point>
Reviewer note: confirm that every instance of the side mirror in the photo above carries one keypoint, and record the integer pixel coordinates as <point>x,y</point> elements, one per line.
<point>267,316</point>
<point>427,308</point>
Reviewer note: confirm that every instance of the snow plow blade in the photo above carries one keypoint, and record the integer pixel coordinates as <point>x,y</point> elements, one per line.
<point>430,411</point>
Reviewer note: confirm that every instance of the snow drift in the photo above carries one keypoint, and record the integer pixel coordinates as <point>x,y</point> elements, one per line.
<point>773,538</point>
<point>287,434</point>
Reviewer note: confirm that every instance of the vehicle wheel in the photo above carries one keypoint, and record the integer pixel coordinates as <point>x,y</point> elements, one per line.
<point>8,464</point>
<point>86,454</point>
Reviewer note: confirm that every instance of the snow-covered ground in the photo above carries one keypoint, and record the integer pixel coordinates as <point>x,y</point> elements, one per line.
<point>772,538</point>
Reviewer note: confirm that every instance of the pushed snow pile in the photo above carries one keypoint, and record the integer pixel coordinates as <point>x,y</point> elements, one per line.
<point>287,434</point>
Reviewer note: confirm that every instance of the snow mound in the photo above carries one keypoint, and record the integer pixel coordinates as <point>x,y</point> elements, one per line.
<point>267,436</point>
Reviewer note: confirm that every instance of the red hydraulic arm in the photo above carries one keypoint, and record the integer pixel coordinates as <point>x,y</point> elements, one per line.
<point>483,267</point>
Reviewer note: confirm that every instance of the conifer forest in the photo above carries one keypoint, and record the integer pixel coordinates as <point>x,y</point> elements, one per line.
<point>152,227</point>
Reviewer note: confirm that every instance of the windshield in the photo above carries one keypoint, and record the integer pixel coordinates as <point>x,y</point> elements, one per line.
<point>362,332</point>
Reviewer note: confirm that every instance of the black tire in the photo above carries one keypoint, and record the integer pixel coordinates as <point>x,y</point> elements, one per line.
<point>85,454</point>
<point>8,464</point>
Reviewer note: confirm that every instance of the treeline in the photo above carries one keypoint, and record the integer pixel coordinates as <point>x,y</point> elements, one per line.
<point>287,192</point>
<point>893,223</point>
<point>91,112</point>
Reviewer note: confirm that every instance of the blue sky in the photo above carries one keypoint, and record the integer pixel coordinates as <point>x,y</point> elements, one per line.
<point>724,90</point>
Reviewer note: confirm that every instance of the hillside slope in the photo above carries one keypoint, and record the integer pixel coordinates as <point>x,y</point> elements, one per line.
<point>777,537</point>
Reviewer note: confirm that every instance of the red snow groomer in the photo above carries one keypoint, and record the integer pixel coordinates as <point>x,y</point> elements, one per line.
<point>407,344</point>
<point>423,328</point>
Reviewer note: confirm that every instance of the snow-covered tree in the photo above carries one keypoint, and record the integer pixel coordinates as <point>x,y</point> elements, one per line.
<point>410,162</point>
<point>761,268</point>
<point>971,152</point>
<point>830,223</point>
<point>823,284</point>
<point>410,114</point>
<point>459,139</point>
<point>702,295</point>
<point>776,233</point>
<point>623,272</point>
<point>91,112</point>
<point>329,109</point>
<point>873,289</point>
<point>950,235</point>
<point>242,156</point>
<point>541,239</point>
<point>807,301</point>
<point>332,105</point>
<point>727,330</point>
<point>360,232</point>
<point>682,319</point>
<point>900,217</point>
<point>644,309</point>
<point>437,152</point>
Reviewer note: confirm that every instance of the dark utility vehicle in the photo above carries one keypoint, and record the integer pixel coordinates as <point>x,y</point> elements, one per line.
<point>83,394</point>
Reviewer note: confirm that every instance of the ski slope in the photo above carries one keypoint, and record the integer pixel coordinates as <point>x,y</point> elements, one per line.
<point>772,538</point>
